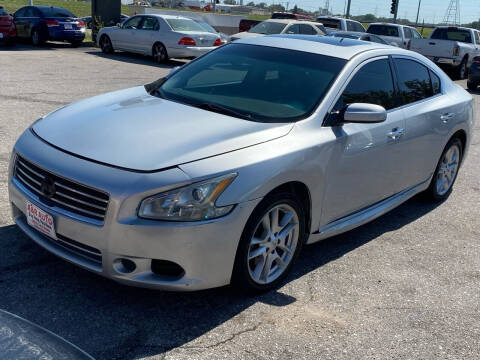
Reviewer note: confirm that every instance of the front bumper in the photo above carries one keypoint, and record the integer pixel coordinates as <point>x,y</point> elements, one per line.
<point>204,250</point>
<point>190,51</point>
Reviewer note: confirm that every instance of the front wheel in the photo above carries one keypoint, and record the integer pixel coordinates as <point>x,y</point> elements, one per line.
<point>270,243</point>
<point>446,172</point>
<point>106,45</point>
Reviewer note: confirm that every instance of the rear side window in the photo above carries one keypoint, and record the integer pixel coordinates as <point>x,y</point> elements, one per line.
<point>477,37</point>
<point>350,26</point>
<point>452,34</point>
<point>385,30</point>
<point>408,33</point>
<point>413,81</point>
<point>372,84</point>
<point>293,29</point>
<point>30,12</point>
<point>436,85</point>
<point>330,23</point>
<point>307,29</point>
<point>358,27</point>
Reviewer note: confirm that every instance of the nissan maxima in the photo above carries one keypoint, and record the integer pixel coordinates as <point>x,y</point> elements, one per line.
<point>220,172</point>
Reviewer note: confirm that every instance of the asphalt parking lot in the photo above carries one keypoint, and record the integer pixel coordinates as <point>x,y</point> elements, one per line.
<point>406,286</point>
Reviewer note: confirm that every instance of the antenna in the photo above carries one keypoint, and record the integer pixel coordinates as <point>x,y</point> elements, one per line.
<point>452,15</point>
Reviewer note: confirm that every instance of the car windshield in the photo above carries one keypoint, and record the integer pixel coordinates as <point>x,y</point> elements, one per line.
<point>268,28</point>
<point>384,30</point>
<point>330,23</point>
<point>258,83</point>
<point>207,27</point>
<point>452,34</point>
<point>57,12</point>
<point>184,25</point>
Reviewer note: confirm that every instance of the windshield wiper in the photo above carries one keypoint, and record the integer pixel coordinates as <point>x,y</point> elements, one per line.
<point>223,110</point>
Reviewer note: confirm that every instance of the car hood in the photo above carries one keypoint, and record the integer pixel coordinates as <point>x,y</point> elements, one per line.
<point>134,130</point>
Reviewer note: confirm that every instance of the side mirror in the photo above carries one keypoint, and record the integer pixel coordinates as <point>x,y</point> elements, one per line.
<point>364,113</point>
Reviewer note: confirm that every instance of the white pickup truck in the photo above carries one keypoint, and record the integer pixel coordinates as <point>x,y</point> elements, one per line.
<point>450,45</point>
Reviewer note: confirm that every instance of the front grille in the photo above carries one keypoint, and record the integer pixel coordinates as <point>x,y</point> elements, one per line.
<point>67,195</point>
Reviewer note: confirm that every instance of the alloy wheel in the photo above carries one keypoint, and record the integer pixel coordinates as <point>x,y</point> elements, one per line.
<point>448,170</point>
<point>159,53</point>
<point>105,44</point>
<point>273,244</point>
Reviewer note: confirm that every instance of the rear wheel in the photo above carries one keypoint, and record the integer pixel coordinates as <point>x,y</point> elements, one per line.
<point>446,172</point>
<point>472,85</point>
<point>270,243</point>
<point>159,53</point>
<point>37,38</point>
<point>463,69</point>
<point>106,45</point>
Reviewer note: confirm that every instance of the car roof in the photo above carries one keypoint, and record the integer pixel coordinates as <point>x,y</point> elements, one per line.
<point>343,48</point>
<point>359,33</point>
<point>168,16</point>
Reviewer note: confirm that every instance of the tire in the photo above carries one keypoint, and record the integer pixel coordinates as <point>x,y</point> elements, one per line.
<point>37,38</point>
<point>260,246</point>
<point>106,45</point>
<point>462,70</point>
<point>159,53</point>
<point>76,43</point>
<point>471,85</point>
<point>446,171</point>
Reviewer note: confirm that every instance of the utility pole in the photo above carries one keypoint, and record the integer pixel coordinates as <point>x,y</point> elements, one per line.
<point>418,12</point>
<point>348,9</point>
<point>30,2</point>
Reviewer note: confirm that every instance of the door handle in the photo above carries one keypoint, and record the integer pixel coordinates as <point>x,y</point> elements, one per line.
<point>396,133</point>
<point>447,117</point>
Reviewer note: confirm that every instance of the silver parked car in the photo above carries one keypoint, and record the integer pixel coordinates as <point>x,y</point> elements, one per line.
<point>160,36</point>
<point>221,171</point>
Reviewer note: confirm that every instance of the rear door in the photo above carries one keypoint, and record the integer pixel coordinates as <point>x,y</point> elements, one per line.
<point>428,116</point>
<point>20,22</point>
<point>367,165</point>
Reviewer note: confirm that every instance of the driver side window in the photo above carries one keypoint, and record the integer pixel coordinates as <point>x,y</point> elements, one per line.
<point>132,23</point>
<point>372,84</point>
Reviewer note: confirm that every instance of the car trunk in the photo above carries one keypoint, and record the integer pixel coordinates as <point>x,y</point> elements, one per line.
<point>433,47</point>
<point>202,39</point>
<point>63,23</point>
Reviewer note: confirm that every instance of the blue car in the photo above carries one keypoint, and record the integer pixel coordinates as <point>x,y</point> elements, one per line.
<point>44,23</point>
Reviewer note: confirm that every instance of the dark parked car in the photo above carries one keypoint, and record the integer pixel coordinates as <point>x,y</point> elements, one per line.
<point>44,23</point>
<point>474,74</point>
<point>7,27</point>
<point>359,36</point>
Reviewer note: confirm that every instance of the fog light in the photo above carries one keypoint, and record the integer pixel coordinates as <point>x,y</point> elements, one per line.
<point>124,266</point>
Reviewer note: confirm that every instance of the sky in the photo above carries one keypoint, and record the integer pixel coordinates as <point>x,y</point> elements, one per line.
<point>430,10</point>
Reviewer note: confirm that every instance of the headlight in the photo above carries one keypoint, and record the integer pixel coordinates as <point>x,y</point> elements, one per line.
<point>191,203</point>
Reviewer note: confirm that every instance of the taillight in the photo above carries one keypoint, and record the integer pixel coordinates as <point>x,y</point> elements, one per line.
<point>187,41</point>
<point>456,50</point>
<point>51,23</point>
<point>476,60</point>
<point>217,42</point>
<point>81,24</point>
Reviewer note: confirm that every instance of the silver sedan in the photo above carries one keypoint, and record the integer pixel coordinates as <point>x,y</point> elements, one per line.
<point>160,36</point>
<point>222,171</point>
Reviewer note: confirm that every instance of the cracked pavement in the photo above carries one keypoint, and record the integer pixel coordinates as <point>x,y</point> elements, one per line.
<point>405,286</point>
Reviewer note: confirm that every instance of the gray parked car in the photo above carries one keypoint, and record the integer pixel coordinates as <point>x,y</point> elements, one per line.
<point>160,36</point>
<point>220,172</point>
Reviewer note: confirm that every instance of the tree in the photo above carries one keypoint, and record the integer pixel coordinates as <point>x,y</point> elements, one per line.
<point>229,2</point>
<point>276,8</point>
<point>262,5</point>
<point>295,9</point>
<point>251,3</point>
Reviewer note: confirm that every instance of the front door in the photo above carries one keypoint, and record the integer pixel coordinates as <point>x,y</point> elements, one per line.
<point>126,36</point>
<point>366,163</point>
